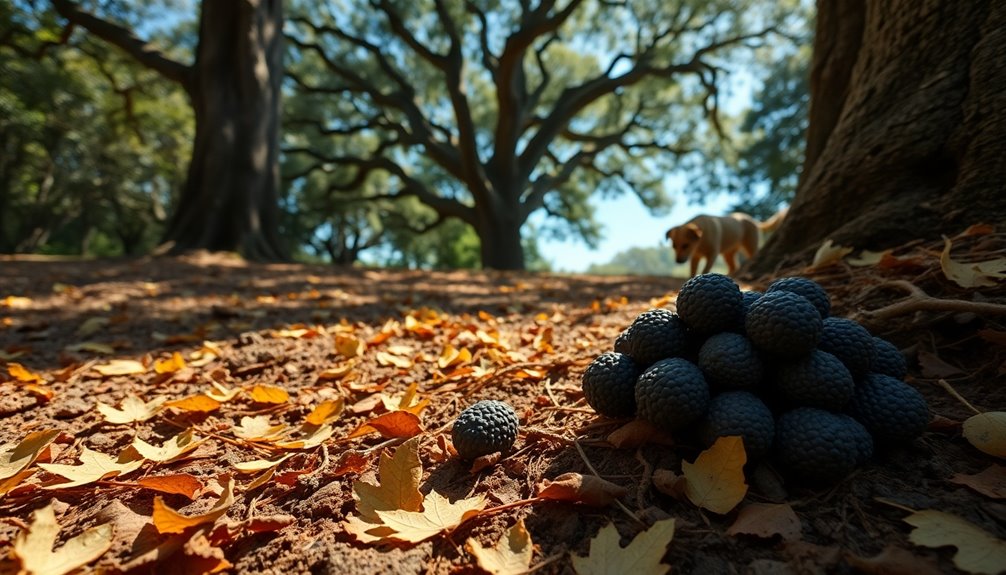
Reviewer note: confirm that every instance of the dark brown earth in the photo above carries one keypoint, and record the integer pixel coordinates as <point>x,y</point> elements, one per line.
<point>549,328</point>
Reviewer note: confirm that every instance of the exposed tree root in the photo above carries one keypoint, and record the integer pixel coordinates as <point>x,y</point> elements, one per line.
<point>918,300</point>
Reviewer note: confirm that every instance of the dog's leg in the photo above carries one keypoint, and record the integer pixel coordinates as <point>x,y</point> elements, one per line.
<point>694,263</point>
<point>710,260</point>
<point>731,259</point>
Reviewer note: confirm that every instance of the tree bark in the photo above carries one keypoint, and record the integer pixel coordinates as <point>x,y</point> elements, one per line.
<point>230,199</point>
<point>909,144</point>
<point>499,228</point>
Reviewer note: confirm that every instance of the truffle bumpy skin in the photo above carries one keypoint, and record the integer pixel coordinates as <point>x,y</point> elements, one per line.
<point>711,303</point>
<point>729,361</point>
<point>609,384</point>
<point>784,324</point>
<point>809,289</point>
<point>817,380</point>
<point>818,445</point>
<point>888,359</point>
<point>671,394</point>
<point>654,335</point>
<point>892,410</point>
<point>483,428</point>
<point>739,413</point>
<point>849,342</point>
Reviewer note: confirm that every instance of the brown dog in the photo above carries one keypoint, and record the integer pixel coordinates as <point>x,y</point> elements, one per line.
<point>709,236</point>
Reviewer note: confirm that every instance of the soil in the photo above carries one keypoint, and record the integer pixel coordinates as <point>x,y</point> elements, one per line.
<point>278,325</point>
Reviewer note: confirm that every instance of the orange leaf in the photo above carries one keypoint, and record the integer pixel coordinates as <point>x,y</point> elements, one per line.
<point>269,394</point>
<point>582,489</point>
<point>349,346</point>
<point>22,374</point>
<point>325,412</point>
<point>200,402</point>
<point>167,520</point>
<point>338,372</point>
<point>402,424</point>
<point>171,365</point>
<point>180,484</point>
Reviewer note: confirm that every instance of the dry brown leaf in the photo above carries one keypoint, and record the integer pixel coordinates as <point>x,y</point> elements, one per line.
<point>642,556</point>
<point>170,450</point>
<point>132,409</point>
<point>978,551</point>
<point>174,363</point>
<point>767,520</point>
<point>168,520</point>
<point>350,462</point>
<point>403,424</point>
<point>669,483</point>
<point>93,466</point>
<point>868,258</point>
<point>349,346</point>
<point>452,356</point>
<point>987,432</point>
<point>991,482</point>
<point>438,515</point>
<point>579,488</point>
<point>510,556</point>
<point>178,484</point>
<point>121,367</point>
<point>398,478</point>
<point>935,368</point>
<point>637,433</point>
<point>262,393</point>
<point>894,561</point>
<point>200,403</point>
<point>971,274</point>
<point>15,458</point>
<point>715,481</point>
<point>221,393</point>
<point>34,548</point>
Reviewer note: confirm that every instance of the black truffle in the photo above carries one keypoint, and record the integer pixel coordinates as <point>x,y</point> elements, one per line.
<point>609,384</point>
<point>816,380</point>
<point>711,303</point>
<point>671,394</point>
<point>849,342</point>
<point>483,428</point>
<point>809,289</point>
<point>739,413</point>
<point>892,410</point>
<point>783,323</point>
<point>654,335</point>
<point>729,361</point>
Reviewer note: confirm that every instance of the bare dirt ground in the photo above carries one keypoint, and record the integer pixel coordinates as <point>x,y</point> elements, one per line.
<point>294,327</point>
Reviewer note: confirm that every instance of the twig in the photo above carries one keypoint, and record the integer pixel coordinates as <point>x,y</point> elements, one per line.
<point>621,505</point>
<point>644,481</point>
<point>919,300</point>
<point>894,504</point>
<point>943,383</point>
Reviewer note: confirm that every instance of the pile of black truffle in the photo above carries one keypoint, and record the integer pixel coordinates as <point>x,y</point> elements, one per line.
<point>813,392</point>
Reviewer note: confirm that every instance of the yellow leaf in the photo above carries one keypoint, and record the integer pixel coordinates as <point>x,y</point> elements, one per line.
<point>452,356</point>
<point>23,374</point>
<point>312,436</point>
<point>15,302</point>
<point>386,359</point>
<point>168,520</point>
<point>325,412</point>
<point>438,515</point>
<point>93,466</point>
<point>34,547</point>
<point>259,428</point>
<point>260,464</point>
<point>222,394</point>
<point>338,372</point>
<point>121,367</point>
<point>640,557</point>
<point>200,402</point>
<point>398,484</point>
<point>175,363</point>
<point>133,409</point>
<point>978,551</point>
<point>269,394</point>
<point>829,254</point>
<point>349,346</point>
<point>9,483</point>
<point>91,326</point>
<point>987,432</point>
<point>170,450</point>
<point>20,456</point>
<point>715,481</point>
<point>510,556</point>
<point>971,274</point>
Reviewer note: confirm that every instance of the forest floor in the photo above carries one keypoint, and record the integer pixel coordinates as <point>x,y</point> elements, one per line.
<point>269,391</point>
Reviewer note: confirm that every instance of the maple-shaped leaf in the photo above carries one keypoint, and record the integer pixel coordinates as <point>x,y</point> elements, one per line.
<point>715,481</point>
<point>642,556</point>
<point>34,547</point>
<point>168,520</point>
<point>262,393</point>
<point>971,274</point>
<point>170,450</point>
<point>438,515</point>
<point>978,551</point>
<point>990,483</point>
<point>93,466</point>
<point>398,477</point>
<point>987,432</point>
<point>121,367</point>
<point>510,556</point>
<point>259,428</point>
<point>132,409</point>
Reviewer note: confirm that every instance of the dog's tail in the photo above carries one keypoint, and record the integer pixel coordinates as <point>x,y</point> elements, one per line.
<point>773,223</point>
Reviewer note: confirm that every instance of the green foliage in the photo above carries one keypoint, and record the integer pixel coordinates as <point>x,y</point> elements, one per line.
<point>654,261</point>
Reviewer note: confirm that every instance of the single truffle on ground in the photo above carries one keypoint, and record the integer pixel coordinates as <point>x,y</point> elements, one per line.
<point>730,361</point>
<point>816,380</point>
<point>888,359</point>
<point>808,288</point>
<point>671,394</point>
<point>739,413</point>
<point>849,342</point>
<point>711,303</point>
<point>486,427</point>
<point>609,384</point>
<point>818,445</point>
<point>892,410</point>
<point>784,324</point>
<point>654,335</point>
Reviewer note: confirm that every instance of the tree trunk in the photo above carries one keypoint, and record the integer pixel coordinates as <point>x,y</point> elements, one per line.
<point>230,199</point>
<point>498,227</point>
<point>911,143</point>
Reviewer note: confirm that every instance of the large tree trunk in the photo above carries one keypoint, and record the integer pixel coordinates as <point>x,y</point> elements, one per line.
<point>911,143</point>
<point>498,227</point>
<point>230,199</point>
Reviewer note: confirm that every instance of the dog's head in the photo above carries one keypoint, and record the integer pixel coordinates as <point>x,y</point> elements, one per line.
<point>684,240</point>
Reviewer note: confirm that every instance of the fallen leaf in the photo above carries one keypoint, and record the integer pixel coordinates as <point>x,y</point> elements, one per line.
<point>642,556</point>
<point>387,359</point>
<point>867,258</point>
<point>338,372</point>
<point>199,403</point>
<point>637,433</point>
<point>24,375</point>
<point>586,489</point>
<point>221,393</point>
<point>269,394</point>
<point>257,465</point>
<point>325,412</point>
<point>978,551</point>
<point>990,483</point>
<point>178,484</point>
<point>308,437</point>
<point>34,547</point>
<point>93,466</point>
<point>452,356</point>
<point>259,428</point>
<point>175,363</point>
<point>91,326</point>
<point>715,481</point>
<point>971,274</point>
<point>199,557</point>
<point>669,483</point>
<point>829,254</point>
<point>398,478</point>
<point>15,458</point>
<point>894,561</point>
<point>438,515</point>
<point>91,346</point>
<point>510,556</point>
<point>168,520</point>
<point>121,367</point>
<point>170,450</point>
<point>393,424</point>
<point>766,520</point>
<point>349,346</point>
<point>935,368</point>
<point>987,432</point>
<point>132,409</point>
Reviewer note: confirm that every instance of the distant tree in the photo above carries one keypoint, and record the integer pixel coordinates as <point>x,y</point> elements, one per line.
<point>654,261</point>
<point>907,132</point>
<point>230,198</point>
<point>514,107</point>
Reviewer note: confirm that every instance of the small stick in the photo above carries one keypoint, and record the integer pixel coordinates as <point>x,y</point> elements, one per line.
<point>621,505</point>
<point>943,383</point>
